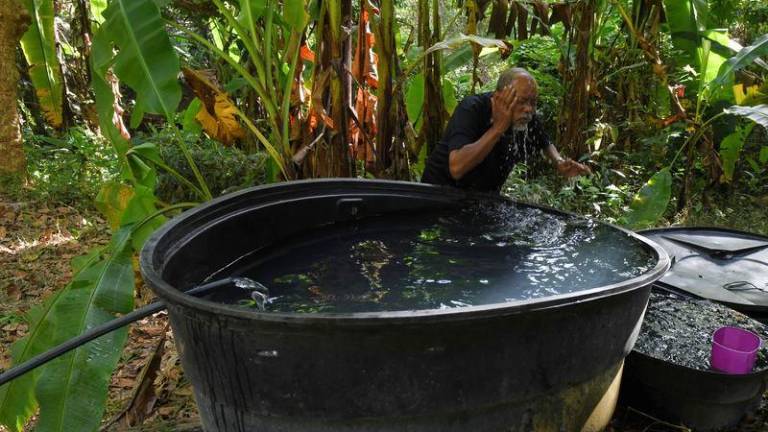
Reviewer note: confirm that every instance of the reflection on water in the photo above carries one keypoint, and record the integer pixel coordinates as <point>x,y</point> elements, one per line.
<point>679,330</point>
<point>484,253</point>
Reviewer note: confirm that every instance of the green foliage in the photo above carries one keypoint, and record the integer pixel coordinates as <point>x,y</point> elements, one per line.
<point>226,169</point>
<point>69,169</point>
<point>758,113</point>
<point>146,60</point>
<point>650,203</point>
<point>745,57</point>
<point>17,398</point>
<point>72,390</point>
<point>730,149</point>
<point>414,100</point>
<point>687,19</point>
<point>39,46</point>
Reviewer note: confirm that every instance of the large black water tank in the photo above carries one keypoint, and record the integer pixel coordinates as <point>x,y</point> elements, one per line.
<point>540,364</point>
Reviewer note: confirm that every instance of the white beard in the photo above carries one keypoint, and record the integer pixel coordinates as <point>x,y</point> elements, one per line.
<point>520,127</point>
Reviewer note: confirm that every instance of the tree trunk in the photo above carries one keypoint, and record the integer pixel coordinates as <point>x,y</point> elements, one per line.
<point>13,22</point>
<point>574,114</point>
<point>433,109</point>
<point>386,115</point>
<point>331,157</point>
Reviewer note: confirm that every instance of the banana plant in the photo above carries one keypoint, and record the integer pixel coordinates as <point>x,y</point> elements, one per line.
<point>70,392</point>
<point>39,47</point>
<point>271,36</point>
<point>653,198</point>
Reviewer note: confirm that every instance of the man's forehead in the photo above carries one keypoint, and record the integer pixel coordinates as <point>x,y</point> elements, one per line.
<point>526,87</point>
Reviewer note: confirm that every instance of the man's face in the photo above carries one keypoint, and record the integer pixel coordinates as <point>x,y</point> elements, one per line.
<point>525,107</point>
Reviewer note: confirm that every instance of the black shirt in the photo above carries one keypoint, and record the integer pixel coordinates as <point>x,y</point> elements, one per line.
<point>470,120</point>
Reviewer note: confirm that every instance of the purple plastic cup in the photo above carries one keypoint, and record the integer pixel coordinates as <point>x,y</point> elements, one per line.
<point>734,350</point>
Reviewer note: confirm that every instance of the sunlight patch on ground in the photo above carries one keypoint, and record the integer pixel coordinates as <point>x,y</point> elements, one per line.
<point>21,245</point>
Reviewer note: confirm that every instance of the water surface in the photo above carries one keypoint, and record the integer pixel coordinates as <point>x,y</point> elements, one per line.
<point>479,254</point>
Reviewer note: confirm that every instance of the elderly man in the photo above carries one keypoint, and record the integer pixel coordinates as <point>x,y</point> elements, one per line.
<point>489,133</point>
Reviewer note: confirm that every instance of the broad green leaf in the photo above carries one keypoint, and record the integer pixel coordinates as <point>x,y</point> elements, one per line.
<point>651,201</point>
<point>112,200</point>
<point>414,99</point>
<point>72,390</point>
<point>449,96</point>
<point>686,19</point>
<point>97,10</point>
<point>146,60</point>
<point>422,161</point>
<point>189,123</point>
<point>250,11</point>
<point>743,58</point>
<point>143,173</point>
<point>296,15</point>
<point>140,207</point>
<point>758,113</point>
<point>764,154</point>
<point>712,59</point>
<point>458,58</point>
<point>148,151</point>
<point>17,400</point>
<point>730,149</point>
<point>39,46</point>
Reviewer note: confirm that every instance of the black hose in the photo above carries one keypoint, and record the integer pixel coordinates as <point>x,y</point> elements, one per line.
<point>101,330</point>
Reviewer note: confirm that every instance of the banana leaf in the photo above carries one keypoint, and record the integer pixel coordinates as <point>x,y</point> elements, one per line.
<point>17,398</point>
<point>39,46</point>
<point>743,58</point>
<point>758,113</point>
<point>146,60</point>
<point>651,201</point>
<point>72,390</point>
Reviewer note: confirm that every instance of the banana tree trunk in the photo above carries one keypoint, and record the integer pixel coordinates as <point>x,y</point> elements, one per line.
<point>13,22</point>
<point>433,109</point>
<point>574,114</point>
<point>385,117</point>
<point>332,155</point>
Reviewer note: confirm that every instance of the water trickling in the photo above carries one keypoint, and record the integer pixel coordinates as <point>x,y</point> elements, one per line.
<point>679,330</point>
<point>259,294</point>
<point>477,254</point>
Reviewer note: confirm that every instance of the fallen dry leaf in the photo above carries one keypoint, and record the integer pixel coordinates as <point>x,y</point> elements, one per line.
<point>14,293</point>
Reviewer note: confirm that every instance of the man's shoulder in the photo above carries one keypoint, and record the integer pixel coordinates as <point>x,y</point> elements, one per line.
<point>479,101</point>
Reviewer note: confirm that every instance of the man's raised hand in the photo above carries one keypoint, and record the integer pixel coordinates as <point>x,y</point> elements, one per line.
<point>502,107</point>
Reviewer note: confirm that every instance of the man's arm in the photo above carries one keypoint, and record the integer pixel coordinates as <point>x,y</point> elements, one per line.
<point>463,160</point>
<point>566,167</point>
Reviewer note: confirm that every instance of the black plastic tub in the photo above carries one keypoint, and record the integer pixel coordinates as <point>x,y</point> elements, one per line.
<point>700,399</point>
<point>719,264</point>
<point>540,364</point>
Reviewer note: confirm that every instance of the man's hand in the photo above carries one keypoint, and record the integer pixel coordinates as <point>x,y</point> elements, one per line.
<point>570,168</point>
<point>502,108</point>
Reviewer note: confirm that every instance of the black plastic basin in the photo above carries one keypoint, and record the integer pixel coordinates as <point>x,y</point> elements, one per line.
<point>539,364</point>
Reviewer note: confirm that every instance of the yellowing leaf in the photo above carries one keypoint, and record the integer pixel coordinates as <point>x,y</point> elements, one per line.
<point>222,125</point>
<point>112,201</point>
<point>217,113</point>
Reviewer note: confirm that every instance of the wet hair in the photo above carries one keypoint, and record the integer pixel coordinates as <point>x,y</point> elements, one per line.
<point>511,75</point>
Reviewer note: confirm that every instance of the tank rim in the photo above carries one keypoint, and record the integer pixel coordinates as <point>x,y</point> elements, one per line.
<point>173,296</point>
